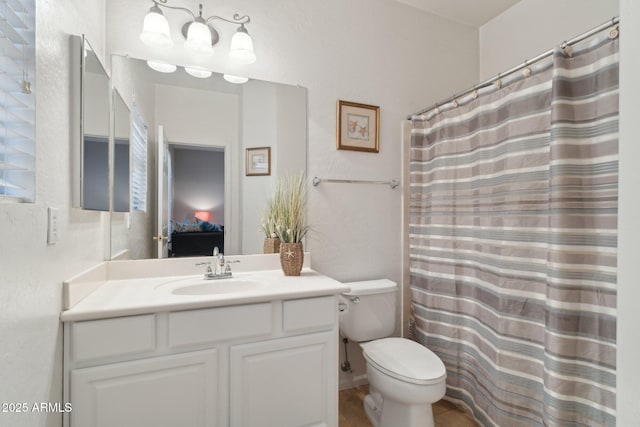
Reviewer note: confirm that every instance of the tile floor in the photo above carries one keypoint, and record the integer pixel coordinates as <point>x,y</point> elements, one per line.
<point>351,412</point>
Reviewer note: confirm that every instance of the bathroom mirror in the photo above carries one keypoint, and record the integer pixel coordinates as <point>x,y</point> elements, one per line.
<point>207,125</point>
<point>91,89</point>
<point>121,150</point>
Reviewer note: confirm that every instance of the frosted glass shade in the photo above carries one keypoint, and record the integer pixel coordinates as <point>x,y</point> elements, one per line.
<point>161,67</point>
<point>199,39</point>
<point>155,31</point>
<point>235,79</point>
<point>198,72</point>
<point>241,50</point>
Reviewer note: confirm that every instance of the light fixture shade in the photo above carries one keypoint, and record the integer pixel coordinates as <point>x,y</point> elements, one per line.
<point>198,72</point>
<point>155,30</point>
<point>241,50</point>
<point>161,67</point>
<point>199,38</point>
<point>235,79</point>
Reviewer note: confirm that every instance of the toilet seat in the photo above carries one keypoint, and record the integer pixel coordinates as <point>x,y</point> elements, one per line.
<point>405,360</point>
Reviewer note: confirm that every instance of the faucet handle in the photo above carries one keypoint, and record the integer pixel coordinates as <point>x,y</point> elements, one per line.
<point>209,271</point>
<point>227,268</point>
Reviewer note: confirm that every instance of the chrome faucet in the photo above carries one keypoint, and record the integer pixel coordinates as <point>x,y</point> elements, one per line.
<point>219,270</point>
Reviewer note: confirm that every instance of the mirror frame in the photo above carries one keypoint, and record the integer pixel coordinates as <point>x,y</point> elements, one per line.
<point>78,91</point>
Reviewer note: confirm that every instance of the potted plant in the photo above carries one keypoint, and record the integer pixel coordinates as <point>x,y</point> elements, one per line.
<point>290,203</point>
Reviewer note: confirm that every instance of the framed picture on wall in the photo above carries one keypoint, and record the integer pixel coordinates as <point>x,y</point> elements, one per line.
<point>358,127</point>
<point>258,161</point>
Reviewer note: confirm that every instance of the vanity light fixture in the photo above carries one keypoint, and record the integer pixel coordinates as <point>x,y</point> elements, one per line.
<point>198,72</point>
<point>235,79</point>
<point>200,36</point>
<point>162,67</point>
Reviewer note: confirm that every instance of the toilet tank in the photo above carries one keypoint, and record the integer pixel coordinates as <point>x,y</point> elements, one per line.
<point>368,311</point>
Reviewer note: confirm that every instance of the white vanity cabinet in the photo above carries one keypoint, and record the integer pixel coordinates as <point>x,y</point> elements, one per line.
<point>263,364</point>
<point>174,390</point>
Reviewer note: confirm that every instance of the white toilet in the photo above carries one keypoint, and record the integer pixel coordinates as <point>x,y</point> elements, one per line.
<point>405,378</point>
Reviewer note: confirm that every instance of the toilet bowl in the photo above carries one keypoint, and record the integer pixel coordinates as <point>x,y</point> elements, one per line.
<point>405,378</point>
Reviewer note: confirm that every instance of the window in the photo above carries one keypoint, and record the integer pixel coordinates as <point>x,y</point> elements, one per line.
<point>17,100</point>
<point>139,161</point>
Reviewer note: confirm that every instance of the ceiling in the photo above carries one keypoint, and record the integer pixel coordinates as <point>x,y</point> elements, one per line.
<point>471,12</point>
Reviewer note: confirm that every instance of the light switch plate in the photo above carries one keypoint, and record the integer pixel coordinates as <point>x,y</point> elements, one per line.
<point>52,226</point>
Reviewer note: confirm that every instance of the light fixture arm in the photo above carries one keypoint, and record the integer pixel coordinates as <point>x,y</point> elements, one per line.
<point>163,3</point>
<point>237,19</point>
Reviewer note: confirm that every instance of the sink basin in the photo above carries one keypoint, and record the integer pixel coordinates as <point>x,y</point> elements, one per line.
<point>213,287</point>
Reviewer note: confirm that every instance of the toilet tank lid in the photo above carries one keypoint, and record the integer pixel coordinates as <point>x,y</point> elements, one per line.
<point>370,287</point>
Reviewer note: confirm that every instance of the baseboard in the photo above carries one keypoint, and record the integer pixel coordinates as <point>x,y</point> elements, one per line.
<point>353,381</point>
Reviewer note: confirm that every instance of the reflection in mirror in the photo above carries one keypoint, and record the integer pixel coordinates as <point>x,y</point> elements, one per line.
<point>121,132</point>
<point>208,123</point>
<point>91,191</point>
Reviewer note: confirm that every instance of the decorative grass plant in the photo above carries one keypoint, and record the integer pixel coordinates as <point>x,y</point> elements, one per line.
<point>285,216</point>
<point>289,207</point>
<point>269,219</point>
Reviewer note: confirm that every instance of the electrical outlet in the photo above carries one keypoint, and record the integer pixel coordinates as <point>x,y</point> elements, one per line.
<point>52,226</point>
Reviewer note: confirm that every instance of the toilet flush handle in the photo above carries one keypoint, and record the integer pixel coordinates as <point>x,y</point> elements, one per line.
<point>342,304</point>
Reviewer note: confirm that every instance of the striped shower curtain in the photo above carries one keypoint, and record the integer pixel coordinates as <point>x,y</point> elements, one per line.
<point>513,212</point>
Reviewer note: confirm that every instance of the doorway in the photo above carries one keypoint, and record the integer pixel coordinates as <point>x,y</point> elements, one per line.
<point>196,200</point>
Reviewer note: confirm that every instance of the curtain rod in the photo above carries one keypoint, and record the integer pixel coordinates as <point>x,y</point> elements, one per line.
<point>566,46</point>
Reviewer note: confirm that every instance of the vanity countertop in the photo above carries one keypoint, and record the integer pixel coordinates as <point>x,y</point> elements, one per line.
<point>142,295</point>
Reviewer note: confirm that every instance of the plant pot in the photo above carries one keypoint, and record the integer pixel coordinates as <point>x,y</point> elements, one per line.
<point>271,245</point>
<point>291,258</point>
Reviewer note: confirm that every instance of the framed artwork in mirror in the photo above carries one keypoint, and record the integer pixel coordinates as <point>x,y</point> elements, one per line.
<point>358,127</point>
<point>258,161</point>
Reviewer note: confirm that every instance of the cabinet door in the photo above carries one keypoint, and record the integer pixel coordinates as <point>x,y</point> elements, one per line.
<point>177,390</point>
<point>288,382</point>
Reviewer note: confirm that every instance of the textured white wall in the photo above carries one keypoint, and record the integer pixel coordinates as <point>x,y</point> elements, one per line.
<point>532,27</point>
<point>31,273</point>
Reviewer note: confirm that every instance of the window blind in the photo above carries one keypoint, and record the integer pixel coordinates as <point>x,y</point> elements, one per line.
<point>139,161</point>
<point>17,100</point>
